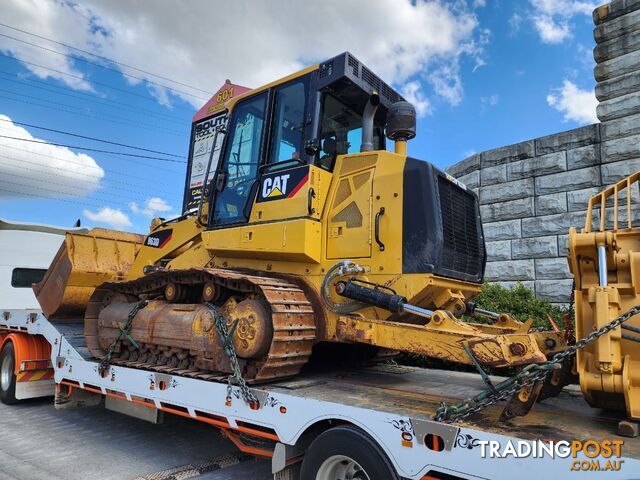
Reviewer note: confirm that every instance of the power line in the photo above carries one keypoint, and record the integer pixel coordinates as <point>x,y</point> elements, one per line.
<point>80,59</point>
<point>90,149</point>
<point>109,118</point>
<point>66,185</point>
<point>78,77</point>
<point>57,192</point>
<point>152,167</point>
<point>89,138</point>
<point>23,194</point>
<point>133,187</point>
<point>105,201</point>
<point>105,58</point>
<point>113,118</point>
<point>90,96</point>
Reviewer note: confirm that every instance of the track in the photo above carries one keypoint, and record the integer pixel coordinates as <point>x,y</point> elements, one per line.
<point>292,317</point>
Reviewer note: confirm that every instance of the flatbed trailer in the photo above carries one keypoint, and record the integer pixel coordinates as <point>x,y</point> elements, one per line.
<point>389,407</point>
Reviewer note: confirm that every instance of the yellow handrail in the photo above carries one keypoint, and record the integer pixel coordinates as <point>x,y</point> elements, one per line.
<point>600,199</point>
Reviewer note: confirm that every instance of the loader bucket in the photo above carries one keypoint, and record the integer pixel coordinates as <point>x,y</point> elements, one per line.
<point>83,262</point>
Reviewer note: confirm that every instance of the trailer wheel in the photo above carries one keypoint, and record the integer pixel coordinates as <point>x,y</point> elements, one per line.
<point>346,453</point>
<point>7,375</point>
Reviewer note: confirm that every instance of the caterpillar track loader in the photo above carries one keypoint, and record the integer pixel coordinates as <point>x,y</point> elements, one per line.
<point>303,231</point>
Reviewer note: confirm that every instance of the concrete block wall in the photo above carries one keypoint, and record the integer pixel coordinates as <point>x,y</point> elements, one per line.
<point>532,192</point>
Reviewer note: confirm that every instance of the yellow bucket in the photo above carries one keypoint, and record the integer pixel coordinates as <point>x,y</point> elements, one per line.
<point>83,262</point>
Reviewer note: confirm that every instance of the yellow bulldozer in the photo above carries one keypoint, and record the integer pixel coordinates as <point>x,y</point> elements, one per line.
<point>310,231</point>
<point>306,232</point>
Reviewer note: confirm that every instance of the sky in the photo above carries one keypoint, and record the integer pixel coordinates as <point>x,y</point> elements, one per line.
<point>481,73</point>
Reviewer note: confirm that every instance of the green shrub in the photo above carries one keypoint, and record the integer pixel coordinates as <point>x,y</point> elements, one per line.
<point>518,301</point>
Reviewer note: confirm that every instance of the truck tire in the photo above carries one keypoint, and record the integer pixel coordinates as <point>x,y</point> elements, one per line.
<point>346,452</point>
<point>7,375</point>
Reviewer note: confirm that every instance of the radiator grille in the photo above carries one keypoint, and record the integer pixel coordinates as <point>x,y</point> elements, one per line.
<point>462,249</point>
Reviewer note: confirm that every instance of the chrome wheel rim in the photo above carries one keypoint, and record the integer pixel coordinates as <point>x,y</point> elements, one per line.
<point>6,373</point>
<point>341,467</point>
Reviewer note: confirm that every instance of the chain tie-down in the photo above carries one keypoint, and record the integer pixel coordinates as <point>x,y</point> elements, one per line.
<point>527,377</point>
<point>125,331</point>
<point>227,344</point>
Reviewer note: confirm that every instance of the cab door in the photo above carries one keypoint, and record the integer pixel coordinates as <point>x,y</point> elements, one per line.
<point>240,165</point>
<point>266,134</point>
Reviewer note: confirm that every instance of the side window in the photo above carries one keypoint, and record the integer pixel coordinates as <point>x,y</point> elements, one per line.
<point>354,140</point>
<point>341,131</point>
<point>25,277</point>
<point>288,121</point>
<point>241,160</point>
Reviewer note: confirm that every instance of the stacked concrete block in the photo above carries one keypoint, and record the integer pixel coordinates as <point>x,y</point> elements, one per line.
<point>532,192</point>
<point>617,74</point>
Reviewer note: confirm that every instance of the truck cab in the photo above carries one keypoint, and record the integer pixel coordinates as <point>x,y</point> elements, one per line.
<point>26,251</point>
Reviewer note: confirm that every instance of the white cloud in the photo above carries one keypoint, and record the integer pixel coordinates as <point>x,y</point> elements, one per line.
<point>447,83</point>
<point>413,93</point>
<point>552,18</point>
<point>152,207</point>
<point>551,31</point>
<point>113,217</point>
<point>576,105</point>
<point>39,169</point>
<point>491,100</point>
<point>586,57</point>
<point>52,20</point>
<point>399,39</point>
<point>514,23</point>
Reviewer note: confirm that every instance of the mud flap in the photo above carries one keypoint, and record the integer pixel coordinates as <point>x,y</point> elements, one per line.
<point>67,398</point>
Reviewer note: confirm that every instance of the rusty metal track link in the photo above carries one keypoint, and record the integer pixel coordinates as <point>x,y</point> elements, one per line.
<point>292,315</point>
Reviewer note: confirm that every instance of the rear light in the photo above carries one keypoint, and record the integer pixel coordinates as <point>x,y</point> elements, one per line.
<point>35,365</point>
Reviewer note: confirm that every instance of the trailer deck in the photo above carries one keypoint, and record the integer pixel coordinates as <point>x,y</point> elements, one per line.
<point>393,404</point>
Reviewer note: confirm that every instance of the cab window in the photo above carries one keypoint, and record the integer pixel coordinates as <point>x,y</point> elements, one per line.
<point>341,131</point>
<point>241,161</point>
<point>288,121</point>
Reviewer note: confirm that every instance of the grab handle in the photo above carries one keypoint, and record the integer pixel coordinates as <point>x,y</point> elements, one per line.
<point>378,241</point>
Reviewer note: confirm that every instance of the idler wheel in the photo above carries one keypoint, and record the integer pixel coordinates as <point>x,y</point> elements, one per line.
<point>253,335</point>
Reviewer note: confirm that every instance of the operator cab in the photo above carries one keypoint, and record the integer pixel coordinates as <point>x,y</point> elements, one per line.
<point>304,161</point>
<point>310,118</point>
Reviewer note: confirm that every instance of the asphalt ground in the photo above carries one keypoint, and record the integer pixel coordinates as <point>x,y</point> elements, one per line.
<point>39,442</point>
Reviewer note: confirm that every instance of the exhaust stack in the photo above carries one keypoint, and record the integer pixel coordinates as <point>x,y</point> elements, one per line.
<point>367,122</point>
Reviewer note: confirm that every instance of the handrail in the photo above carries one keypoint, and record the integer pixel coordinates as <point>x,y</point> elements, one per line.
<point>600,201</point>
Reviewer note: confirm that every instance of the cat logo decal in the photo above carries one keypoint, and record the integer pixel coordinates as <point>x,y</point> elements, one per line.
<point>283,184</point>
